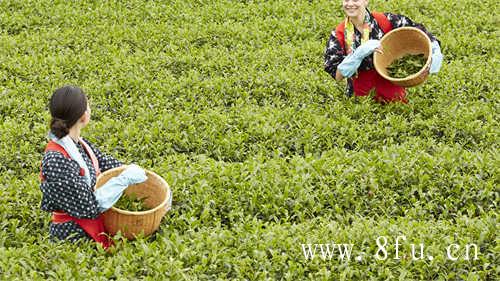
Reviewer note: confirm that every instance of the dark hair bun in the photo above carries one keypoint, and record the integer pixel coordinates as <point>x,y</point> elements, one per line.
<point>66,106</point>
<point>59,128</point>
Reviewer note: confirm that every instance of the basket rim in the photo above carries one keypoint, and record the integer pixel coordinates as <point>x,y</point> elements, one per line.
<point>415,75</point>
<point>163,204</point>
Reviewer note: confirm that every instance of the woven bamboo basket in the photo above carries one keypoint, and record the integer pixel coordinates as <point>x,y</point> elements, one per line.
<point>400,42</point>
<point>131,224</point>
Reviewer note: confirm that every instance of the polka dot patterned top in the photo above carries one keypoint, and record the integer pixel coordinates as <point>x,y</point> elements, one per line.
<point>64,189</point>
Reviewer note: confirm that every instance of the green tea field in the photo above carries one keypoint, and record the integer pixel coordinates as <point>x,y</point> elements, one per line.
<point>274,171</point>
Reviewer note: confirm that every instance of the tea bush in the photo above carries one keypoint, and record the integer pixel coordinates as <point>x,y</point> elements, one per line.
<point>228,101</point>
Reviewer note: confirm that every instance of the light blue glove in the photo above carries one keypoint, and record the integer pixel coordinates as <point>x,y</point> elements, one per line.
<point>436,58</point>
<point>350,64</point>
<point>108,194</point>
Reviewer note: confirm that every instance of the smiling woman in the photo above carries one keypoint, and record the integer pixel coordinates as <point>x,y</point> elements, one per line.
<point>349,51</point>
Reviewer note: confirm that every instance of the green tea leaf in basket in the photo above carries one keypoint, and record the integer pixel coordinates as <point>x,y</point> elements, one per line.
<point>406,66</point>
<point>131,202</point>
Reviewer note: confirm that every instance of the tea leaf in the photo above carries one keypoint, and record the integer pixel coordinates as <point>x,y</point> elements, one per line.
<point>131,202</point>
<point>406,66</point>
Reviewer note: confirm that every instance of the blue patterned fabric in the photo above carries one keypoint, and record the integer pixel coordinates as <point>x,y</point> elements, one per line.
<point>64,189</point>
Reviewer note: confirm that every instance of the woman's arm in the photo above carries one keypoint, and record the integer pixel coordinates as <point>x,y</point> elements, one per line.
<point>334,55</point>
<point>64,189</point>
<point>400,21</point>
<point>338,76</point>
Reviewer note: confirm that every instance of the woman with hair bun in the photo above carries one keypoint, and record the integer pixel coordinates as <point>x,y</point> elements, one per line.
<point>69,170</point>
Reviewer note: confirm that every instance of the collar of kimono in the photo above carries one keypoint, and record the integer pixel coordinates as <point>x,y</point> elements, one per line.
<point>350,36</point>
<point>70,147</point>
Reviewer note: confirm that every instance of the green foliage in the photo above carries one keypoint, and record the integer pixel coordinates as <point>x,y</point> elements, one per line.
<point>406,66</point>
<point>131,202</point>
<point>228,101</point>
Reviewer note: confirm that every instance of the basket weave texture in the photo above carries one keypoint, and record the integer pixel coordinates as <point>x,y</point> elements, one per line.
<point>158,199</point>
<point>401,42</point>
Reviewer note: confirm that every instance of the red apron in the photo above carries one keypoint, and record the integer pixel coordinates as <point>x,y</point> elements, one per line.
<point>93,227</point>
<point>385,91</point>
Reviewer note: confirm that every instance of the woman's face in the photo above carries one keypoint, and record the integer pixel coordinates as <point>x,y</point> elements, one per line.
<point>354,8</point>
<point>86,116</point>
